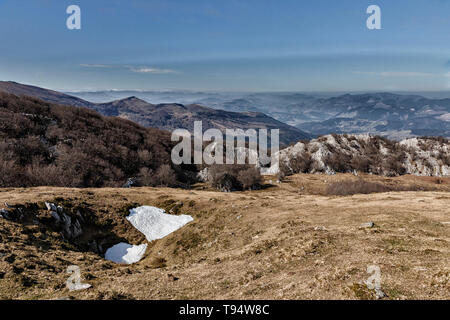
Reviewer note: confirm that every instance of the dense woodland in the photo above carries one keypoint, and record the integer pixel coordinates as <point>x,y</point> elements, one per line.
<point>48,144</point>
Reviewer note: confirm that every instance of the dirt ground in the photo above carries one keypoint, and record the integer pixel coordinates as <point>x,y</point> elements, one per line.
<point>287,241</point>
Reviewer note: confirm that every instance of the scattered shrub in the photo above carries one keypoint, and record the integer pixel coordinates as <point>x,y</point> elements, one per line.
<point>165,176</point>
<point>145,177</point>
<point>360,163</point>
<point>283,171</point>
<point>250,178</point>
<point>302,163</point>
<point>234,177</point>
<point>339,161</point>
<point>226,183</point>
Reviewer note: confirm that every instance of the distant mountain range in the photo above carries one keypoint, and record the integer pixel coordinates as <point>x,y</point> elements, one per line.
<point>396,116</point>
<point>298,116</point>
<point>167,116</point>
<point>391,115</point>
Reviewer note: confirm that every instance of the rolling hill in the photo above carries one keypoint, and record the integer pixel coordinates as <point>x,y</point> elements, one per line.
<point>168,116</point>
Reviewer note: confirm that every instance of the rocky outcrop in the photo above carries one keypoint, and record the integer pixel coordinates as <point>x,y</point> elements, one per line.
<point>70,226</point>
<point>364,153</point>
<point>130,183</point>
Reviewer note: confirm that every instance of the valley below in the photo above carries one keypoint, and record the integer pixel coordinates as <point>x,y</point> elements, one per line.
<point>289,240</point>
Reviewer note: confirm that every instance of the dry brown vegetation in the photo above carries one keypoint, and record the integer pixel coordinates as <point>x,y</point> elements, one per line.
<point>285,241</point>
<point>350,187</point>
<point>361,186</point>
<point>234,177</point>
<point>47,144</point>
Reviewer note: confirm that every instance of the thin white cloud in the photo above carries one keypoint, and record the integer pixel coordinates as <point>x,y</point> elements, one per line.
<point>137,69</point>
<point>152,70</point>
<point>87,65</point>
<point>396,74</point>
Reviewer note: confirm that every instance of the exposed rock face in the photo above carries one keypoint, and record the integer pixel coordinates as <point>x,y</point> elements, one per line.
<point>130,182</point>
<point>70,226</point>
<point>12,214</point>
<point>428,157</point>
<point>202,175</point>
<point>351,153</point>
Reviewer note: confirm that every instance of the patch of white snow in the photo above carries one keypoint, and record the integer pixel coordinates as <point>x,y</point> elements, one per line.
<point>125,253</point>
<point>154,223</point>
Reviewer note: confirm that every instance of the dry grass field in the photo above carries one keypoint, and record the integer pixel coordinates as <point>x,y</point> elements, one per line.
<point>290,240</point>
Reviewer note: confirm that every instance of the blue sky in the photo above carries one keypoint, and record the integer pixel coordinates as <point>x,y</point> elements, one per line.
<point>232,45</point>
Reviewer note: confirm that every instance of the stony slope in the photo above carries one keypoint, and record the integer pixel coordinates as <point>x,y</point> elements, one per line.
<point>364,153</point>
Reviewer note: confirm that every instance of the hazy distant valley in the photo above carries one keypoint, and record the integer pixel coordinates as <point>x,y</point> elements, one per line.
<point>395,116</point>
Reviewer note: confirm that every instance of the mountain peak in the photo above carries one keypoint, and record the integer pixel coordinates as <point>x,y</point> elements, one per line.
<point>130,101</point>
<point>132,98</point>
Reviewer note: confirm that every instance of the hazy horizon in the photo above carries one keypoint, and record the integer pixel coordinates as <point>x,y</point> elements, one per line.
<point>325,94</point>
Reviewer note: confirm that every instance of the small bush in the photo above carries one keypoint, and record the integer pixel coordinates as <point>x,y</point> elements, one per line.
<point>146,177</point>
<point>301,163</point>
<point>339,162</point>
<point>250,178</point>
<point>281,175</point>
<point>360,163</point>
<point>234,177</point>
<point>444,157</point>
<point>226,183</point>
<point>165,176</point>
<point>284,170</point>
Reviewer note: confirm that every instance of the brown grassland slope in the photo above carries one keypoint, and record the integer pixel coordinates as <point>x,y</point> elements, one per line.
<point>286,241</point>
